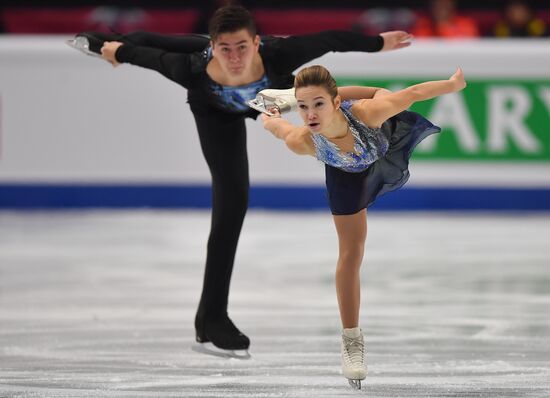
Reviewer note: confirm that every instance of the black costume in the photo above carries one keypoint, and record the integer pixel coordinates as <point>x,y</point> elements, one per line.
<point>222,133</point>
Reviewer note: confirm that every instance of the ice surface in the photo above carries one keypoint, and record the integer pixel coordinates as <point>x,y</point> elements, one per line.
<point>101,304</point>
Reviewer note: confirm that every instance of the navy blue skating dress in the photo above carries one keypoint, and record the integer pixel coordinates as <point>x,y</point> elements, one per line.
<point>379,164</point>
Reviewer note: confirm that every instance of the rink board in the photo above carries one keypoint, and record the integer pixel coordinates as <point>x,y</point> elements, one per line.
<point>38,196</point>
<point>76,133</point>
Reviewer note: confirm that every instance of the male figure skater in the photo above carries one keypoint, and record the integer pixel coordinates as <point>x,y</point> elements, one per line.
<point>221,73</point>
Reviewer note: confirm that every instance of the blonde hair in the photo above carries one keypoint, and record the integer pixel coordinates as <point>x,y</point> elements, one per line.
<point>316,75</point>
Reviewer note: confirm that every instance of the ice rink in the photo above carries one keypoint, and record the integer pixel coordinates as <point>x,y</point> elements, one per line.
<point>101,304</point>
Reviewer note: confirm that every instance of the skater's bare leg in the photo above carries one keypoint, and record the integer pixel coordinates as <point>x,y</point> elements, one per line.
<point>352,233</point>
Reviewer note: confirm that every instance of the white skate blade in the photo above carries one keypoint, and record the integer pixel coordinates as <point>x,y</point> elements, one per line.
<point>211,349</point>
<point>259,105</point>
<point>356,384</point>
<point>81,44</point>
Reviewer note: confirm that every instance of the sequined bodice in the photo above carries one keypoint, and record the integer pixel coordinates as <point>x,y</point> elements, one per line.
<point>369,145</point>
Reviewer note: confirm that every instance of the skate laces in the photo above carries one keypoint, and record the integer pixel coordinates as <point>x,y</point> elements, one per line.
<point>354,349</point>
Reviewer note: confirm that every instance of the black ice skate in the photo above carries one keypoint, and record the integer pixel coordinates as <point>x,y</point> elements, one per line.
<point>221,338</point>
<point>87,43</point>
<point>90,43</point>
<point>269,99</point>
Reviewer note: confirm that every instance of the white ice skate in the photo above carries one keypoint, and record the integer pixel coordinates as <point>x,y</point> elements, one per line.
<point>81,43</point>
<point>269,99</point>
<point>354,365</point>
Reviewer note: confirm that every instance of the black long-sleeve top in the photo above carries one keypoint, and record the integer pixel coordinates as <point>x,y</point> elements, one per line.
<point>280,56</point>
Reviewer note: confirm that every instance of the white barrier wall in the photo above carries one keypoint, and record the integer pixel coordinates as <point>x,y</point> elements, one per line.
<point>68,118</point>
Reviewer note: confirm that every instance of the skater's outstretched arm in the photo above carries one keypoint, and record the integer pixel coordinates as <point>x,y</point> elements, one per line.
<point>361,92</point>
<point>294,51</point>
<point>296,138</point>
<point>175,66</point>
<point>376,111</point>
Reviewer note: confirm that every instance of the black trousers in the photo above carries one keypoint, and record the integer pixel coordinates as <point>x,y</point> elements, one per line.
<point>223,144</point>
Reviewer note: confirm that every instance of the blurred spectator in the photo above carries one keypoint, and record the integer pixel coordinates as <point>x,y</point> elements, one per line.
<point>376,20</point>
<point>120,19</point>
<point>520,21</point>
<point>445,21</point>
<point>2,28</point>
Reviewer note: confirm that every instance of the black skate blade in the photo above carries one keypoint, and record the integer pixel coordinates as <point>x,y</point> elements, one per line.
<point>211,349</point>
<point>82,46</point>
<point>356,384</point>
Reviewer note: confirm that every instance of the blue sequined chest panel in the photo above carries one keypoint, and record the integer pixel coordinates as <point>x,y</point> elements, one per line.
<point>233,98</point>
<point>369,143</point>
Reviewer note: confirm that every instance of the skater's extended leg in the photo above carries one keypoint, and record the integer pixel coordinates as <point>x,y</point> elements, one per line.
<point>174,43</point>
<point>352,233</point>
<point>91,42</point>
<point>224,147</point>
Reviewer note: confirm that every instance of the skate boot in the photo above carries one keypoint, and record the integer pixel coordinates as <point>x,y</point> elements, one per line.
<point>269,99</point>
<point>354,365</point>
<point>220,337</point>
<point>90,43</point>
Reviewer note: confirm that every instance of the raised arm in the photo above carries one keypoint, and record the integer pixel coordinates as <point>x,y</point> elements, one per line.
<point>174,66</point>
<point>361,92</point>
<point>297,139</point>
<point>374,112</point>
<point>294,51</point>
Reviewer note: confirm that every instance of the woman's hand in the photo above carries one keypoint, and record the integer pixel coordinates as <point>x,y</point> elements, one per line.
<point>108,52</point>
<point>267,120</point>
<point>458,80</point>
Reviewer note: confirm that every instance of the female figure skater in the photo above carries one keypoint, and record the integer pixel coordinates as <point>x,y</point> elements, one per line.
<point>366,146</point>
<point>221,73</point>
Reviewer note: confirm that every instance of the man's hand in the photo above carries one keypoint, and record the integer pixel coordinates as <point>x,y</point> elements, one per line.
<point>396,39</point>
<point>108,51</point>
